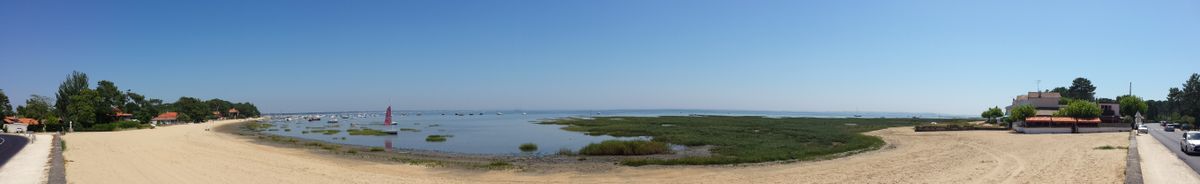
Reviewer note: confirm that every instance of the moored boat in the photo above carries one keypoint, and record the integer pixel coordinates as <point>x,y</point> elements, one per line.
<point>387,121</point>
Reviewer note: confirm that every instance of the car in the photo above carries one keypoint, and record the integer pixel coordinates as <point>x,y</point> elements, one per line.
<point>1190,143</point>
<point>1169,128</point>
<point>1143,129</point>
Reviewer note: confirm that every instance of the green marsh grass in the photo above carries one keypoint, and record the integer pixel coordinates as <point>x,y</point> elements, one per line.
<point>328,132</point>
<point>621,147</point>
<point>565,152</point>
<point>528,147</point>
<point>497,165</point>
<point>742,139</point>
<point>437,138</point>
<point>366,131</point>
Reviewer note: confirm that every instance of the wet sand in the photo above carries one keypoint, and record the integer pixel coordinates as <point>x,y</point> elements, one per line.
<point>190,154</point>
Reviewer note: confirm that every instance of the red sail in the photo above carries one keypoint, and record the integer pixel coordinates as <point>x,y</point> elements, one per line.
<point>387,121</point>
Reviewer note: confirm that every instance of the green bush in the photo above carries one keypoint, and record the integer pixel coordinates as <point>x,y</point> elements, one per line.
<point>619,147</point>
<point>375,149</point>
<point>116,126</point>
<point>528,147</point>
<point>1080,109</point>
<point>436,138</point>
<point>1020,112</point>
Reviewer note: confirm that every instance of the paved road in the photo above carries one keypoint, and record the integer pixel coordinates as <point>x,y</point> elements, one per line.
<point>10,145</point>
<point>1171,140</point>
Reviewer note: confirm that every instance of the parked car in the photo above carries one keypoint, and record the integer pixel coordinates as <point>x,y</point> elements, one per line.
<point>1143,129</point>
<point>1169,128</point>
<point>1190,143</point>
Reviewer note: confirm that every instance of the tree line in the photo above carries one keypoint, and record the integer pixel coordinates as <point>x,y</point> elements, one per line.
<point>1078,101</point>
<point>76,103</point>
<point>1181,106</point>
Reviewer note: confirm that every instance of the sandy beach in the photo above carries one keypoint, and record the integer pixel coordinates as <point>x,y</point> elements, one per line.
<point>190,154</point>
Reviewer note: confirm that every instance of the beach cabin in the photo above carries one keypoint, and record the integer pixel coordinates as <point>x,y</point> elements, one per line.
<point>166,118</point>
<point>121,115</point>
<point>18,125</point>
<point>233,112</point>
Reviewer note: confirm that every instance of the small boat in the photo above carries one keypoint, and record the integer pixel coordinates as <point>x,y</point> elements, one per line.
<point>335,120</point>
<point>314,118</point>
<point>395,123</point>
<point>387,120</point>
<point>499,113</point>
<point>524,113</point>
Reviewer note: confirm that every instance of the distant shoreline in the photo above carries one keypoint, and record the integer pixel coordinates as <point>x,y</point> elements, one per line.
<point>814,114</point>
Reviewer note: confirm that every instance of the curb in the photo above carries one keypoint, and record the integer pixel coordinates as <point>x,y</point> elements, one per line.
<point>1133,162</point>
<point>58,169</point>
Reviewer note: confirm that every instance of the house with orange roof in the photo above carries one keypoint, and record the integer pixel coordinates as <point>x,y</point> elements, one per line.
<point>18,125</point>
<point>218,115</point>
<point>1044,121</point>
<point>166,118</point>
<point>121,115</point>
<point>233,112</point>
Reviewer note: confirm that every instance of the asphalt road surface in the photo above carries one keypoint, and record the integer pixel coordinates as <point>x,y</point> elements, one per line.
<point>10,145</point>
<point>1171,140</point>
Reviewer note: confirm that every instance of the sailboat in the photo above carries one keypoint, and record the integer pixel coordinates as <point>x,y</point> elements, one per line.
<point>388,122</point>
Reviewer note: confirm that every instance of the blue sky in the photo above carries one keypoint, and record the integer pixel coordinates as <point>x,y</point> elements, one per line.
<point>953,57</point>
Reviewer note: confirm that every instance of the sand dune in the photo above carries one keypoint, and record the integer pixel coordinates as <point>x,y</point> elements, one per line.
<point>189,154</point>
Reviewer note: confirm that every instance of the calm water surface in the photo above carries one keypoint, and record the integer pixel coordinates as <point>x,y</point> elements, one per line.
<point>485,132</point>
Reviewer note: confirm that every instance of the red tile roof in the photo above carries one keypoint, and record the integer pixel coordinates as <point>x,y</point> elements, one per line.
<point>119,113</point>
<point>29,121</point>
<point>232,110</point>
<point>166,116</point>
<point>10,120</point>
<point>1061,120</point>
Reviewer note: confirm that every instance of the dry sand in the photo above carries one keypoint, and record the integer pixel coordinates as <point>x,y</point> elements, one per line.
<point>189,154</point>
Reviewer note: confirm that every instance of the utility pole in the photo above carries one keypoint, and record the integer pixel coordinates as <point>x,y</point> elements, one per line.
<point>1130,88</point>
<point>1039,88</point>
